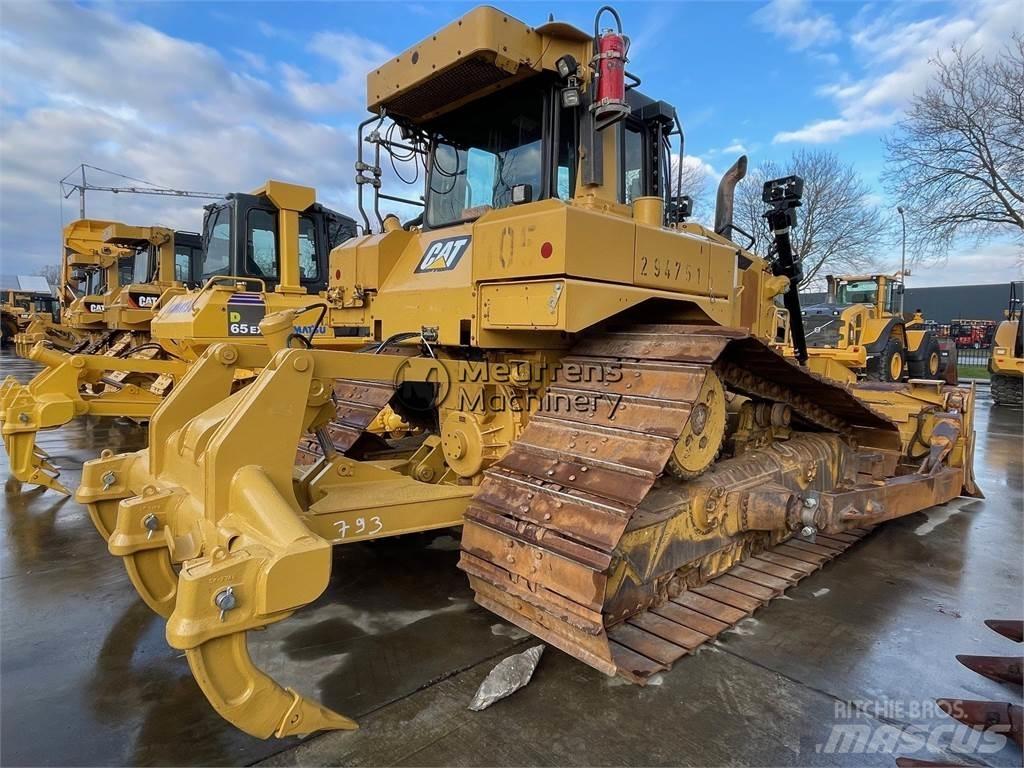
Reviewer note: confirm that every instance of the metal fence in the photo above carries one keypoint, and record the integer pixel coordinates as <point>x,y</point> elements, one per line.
<point>973,340</point>
<point>974,357</point>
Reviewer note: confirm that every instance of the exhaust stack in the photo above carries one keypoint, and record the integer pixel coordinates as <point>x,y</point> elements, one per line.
<point>726,194</point>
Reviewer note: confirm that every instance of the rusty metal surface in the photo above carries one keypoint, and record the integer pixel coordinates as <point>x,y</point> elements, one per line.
<point>1002,716</point>
<point>1008,628</point>
<point>357,404</point>
<point>1002,669</point>
<point>550,515</point>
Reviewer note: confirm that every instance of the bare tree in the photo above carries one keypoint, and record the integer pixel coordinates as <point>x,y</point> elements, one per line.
<point>956,161</point>
<point>695,183</point>
<point>839,228</point>
<point>52,273</point>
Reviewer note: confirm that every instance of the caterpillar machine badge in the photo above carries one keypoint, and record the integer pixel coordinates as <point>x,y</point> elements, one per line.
<point>1007,361</point>
<point>259,250</point>
<point>859,332</point>
<point>634,466</point>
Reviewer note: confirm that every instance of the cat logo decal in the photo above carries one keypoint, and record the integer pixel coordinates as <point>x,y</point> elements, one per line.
<point>442,255</point>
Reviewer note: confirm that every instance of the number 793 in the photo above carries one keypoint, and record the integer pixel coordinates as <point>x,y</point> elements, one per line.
<point>369,526</point>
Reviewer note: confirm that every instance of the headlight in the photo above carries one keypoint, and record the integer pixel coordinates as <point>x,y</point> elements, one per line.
<point>1001,351</point>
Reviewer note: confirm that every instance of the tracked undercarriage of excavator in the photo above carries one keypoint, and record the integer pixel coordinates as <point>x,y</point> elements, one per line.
<point>584,381</point>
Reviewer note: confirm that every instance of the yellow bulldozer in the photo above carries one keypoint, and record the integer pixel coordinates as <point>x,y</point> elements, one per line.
<point>110,283</point>
<point>1006,365</point>
<point>265,249</point>
<point>597,398</point>
<point>860,332</point>
<point>20,305</point>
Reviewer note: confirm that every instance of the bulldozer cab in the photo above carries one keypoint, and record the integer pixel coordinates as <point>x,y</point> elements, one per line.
<point>520,145</point>
<point>188,261</point>
<point>98,273</point>
<point>513,117</point>
<point>147,273</point>
<point>259,252</point>
<point>277,234</point>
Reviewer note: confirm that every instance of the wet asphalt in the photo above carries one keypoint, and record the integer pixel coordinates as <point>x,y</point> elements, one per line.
<point>396,642</point>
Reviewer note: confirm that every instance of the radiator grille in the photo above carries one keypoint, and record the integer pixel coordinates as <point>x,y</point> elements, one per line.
<point>464,78</point>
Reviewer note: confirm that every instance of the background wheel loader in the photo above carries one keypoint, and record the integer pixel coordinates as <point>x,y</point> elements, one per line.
<point>1007,361</point>
<point>265,249</point>
<point>634,466</point>
<point>859,333</point>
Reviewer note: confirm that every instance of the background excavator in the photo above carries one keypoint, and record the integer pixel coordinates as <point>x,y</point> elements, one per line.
<point>1007,361</point>
<point>598,400</point>
<point>860,332</point>
<point>259,250</point>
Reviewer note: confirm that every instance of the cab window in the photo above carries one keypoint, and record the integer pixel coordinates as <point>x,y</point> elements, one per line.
<point>218,245</point>
<point>633,159</point>
<point>141,270</point>
<point>261,248</point>
<point>309,266</point>
<point>183,264</point>
<point>338,231</point>
<point>857,292</point>
<point>125,270</point>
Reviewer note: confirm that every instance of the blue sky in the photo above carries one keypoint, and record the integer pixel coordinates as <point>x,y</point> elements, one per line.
<point>220,96</point>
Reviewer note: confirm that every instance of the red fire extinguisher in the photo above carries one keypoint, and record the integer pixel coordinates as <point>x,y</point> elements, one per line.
<point>609,63</point>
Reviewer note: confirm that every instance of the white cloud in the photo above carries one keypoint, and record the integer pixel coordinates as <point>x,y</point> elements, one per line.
<point>896,53</point>
<point>795,22</point>
<point>353,56</point>
<point>86,84</point>
<point>736,148</point>
<point>252,60</point>
<point>995,262</point>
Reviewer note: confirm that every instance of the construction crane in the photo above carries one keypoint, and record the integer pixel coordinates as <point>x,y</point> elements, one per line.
<point>68,187</point>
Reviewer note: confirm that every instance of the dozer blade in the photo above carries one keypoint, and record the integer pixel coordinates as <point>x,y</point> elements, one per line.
<point>999,716</point>
<point>1008,628</point>
<point>1002,669</point>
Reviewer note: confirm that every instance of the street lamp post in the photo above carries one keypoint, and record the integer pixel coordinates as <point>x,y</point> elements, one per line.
<point>903,257</point>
